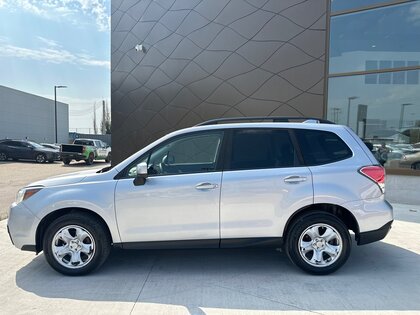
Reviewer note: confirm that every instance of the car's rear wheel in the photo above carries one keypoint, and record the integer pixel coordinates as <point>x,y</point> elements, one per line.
<point>40,158</point>
<point>318,243</point>
<point>76,244</point>
<point>108,158</point>
<point>66,161</point>
<point>3,156</point>
<point>89,160</point>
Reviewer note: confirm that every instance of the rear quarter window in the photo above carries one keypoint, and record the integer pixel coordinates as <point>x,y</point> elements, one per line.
<point>321,147</point>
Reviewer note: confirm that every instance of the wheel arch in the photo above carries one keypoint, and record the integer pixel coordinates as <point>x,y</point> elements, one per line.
<point>42,226</point>
<point>342,213</point>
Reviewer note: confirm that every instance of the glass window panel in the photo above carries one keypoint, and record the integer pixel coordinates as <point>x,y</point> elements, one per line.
<point>387,117</point>
<point>339,5</point>
<point>262,148</point>
<point>371,79</point>
<point>398,77</point>
<point>384,78</point>
<point>389,35</point>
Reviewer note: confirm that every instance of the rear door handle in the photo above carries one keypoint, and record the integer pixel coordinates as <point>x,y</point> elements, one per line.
<point>295,179</point>
<point>205,186</point>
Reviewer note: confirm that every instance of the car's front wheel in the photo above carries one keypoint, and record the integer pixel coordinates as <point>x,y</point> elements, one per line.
<point>3,156</point>
<point>318,243</point>
<point>76,244</point>
<point>40,158</point>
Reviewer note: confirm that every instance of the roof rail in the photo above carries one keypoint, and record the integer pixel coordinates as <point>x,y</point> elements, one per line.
<point>269,119</point>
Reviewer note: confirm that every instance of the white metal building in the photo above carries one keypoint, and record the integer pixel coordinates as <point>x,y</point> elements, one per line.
<point>24,115</point>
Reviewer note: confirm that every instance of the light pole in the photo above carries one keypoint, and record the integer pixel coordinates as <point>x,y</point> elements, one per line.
<point>402,113</point>
<point>350,98</point>
<point>55,108</point>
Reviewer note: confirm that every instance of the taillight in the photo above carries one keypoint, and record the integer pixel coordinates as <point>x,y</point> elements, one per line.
<point>376,173</point>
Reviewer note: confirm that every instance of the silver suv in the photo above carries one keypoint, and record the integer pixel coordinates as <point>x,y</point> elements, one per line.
<point>302,186</point>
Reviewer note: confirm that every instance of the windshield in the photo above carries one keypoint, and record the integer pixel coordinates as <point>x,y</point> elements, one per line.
<point>35,145</point>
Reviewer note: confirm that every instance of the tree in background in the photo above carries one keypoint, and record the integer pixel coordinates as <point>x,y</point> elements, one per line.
<point>106,119</point>
<point>95,127</point>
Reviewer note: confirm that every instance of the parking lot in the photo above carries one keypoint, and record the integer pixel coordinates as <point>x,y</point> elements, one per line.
<point>15,175</point>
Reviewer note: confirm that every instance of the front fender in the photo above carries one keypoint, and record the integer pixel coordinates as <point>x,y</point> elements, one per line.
<point>97,197</point>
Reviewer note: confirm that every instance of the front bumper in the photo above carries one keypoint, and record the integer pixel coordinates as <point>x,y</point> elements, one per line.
<point>373,236</point>
<point>21,226</point>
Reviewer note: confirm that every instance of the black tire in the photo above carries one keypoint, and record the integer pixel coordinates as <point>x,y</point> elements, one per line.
<point>101,241</point>
<point>317,220</point>
<point>3,156</point>
<point>66,161</point>
<point>90,159</point>
<point>108,158</point>
<point>40,158</point>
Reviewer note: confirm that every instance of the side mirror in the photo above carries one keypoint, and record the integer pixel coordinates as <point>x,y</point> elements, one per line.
<point>141,174</point>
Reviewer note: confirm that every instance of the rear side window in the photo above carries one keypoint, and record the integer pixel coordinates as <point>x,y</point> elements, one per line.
<point>261,148</point>
<point>321,147</point>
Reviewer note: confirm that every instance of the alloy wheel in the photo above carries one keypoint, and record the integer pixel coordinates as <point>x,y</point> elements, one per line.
<point>73,246</point>
<point>320,245</point>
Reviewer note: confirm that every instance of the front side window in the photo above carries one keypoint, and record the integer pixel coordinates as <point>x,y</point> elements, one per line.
<point>194,153</point>
<point>262,148</point>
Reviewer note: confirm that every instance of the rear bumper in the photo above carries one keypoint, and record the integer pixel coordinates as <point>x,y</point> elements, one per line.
<point>375,235</point>
<point>72,156</point>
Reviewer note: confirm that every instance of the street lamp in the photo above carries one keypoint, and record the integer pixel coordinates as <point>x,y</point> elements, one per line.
<point>55,107</point>
<point>350,98</point>
<point>402,113</point>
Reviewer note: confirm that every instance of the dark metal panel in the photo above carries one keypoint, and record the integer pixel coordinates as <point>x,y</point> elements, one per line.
<point>209,59</point>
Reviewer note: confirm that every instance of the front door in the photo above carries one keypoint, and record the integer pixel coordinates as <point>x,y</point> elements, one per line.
<point>180,199</point>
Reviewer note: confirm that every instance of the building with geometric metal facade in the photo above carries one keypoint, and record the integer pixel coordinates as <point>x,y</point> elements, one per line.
<point>176,63</point>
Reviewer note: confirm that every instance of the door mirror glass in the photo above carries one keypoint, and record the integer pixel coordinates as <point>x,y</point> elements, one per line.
<point>141,174</point>
<point>141,170</point>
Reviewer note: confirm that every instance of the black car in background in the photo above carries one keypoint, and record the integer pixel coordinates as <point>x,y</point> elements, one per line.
<point>26,150</point>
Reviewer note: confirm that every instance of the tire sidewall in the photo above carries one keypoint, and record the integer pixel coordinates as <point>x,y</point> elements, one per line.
<point>299,226</point>
<point>5,156</point>
<point>102,243</point>
<point>90,159</point>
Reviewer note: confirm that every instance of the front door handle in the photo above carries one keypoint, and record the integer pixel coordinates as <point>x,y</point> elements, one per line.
<point>205,186</point>
<point>295,179</point>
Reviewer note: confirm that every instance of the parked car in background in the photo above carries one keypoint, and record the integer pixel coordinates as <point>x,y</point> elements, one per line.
<point>302,186</point>
<point>27,150</point>
<point>87,150</point>
<point>411,160</point>
<point>54,146</point>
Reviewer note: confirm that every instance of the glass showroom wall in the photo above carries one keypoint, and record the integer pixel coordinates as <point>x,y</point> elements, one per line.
<point>374,77</point>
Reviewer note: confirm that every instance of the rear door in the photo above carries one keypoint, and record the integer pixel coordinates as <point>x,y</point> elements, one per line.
<point>263,184</point>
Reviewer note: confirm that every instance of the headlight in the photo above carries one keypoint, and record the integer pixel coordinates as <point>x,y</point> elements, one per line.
<point>25,193</point>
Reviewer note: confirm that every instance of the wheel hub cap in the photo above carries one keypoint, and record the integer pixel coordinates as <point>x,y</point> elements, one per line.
<point>320,245</point>
<point>73,246</point>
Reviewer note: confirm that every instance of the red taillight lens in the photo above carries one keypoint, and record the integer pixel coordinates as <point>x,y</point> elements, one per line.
<point>375,173</point>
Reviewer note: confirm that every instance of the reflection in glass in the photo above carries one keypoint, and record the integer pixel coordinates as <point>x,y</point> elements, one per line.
<point>380,38</point>
<point>386,116</point>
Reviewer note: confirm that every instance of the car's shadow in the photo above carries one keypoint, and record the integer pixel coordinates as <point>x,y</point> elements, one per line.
<point>378,276</point>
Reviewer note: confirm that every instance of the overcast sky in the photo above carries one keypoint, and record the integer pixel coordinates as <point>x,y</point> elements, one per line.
<point>58,42</point>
